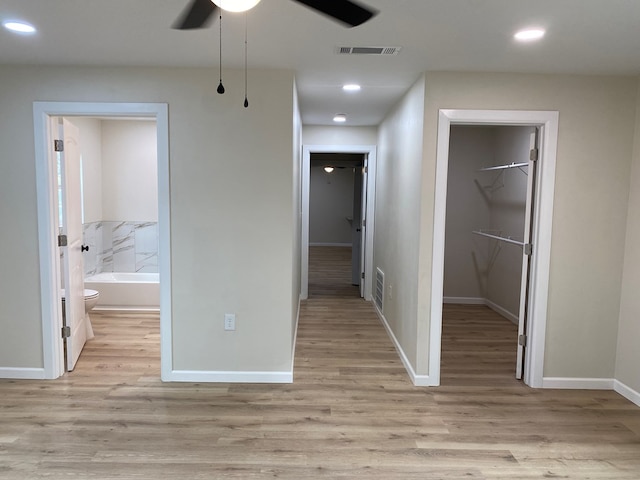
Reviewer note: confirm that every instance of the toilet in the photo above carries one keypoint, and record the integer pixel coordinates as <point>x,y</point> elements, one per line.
<point>90,299</point>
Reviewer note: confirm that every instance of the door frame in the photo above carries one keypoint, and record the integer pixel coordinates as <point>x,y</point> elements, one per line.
<point>370,152</point>
<point>541,235</point>
<point>47,206</point>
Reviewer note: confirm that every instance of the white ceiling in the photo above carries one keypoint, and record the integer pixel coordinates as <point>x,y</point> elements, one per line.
<point>583,37</point>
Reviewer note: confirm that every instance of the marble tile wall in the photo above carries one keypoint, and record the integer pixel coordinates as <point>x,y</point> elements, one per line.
<point>121,247</point>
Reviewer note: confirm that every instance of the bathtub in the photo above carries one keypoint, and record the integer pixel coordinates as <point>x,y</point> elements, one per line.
<point>126,291</point>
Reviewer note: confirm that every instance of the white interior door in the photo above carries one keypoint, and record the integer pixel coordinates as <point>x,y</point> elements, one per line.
<point>526,257</point>
<point>71,217</point>
<point>363,228</point>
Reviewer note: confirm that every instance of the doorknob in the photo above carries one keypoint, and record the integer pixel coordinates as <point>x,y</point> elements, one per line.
<point>358,229</point>
<point>84,248</point>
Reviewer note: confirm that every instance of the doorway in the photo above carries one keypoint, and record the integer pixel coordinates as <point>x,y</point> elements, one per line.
<point>368,153</point>
<point>335,224</point>
<point>492,170</point>
<point>540,231</point>
<point>47,193</point>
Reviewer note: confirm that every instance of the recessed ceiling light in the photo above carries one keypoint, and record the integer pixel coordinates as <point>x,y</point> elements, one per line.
<point>19,27</point>
<point>529,34</point>
<point>351,87</point>
<point>328,169</point>
<point>340,118</point>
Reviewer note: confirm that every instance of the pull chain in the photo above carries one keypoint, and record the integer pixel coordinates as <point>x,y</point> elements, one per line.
<point>220,86</point>
<point>246,101</point>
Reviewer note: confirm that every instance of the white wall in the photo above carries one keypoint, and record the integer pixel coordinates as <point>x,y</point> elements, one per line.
<point>339,135</point>
<point>296,253</point>
<point>91,152</point>
<point>223,189</point>
<point>330,205</point>
<point>396,236</point>
<point>628,354</point>
<point>597,119</point>
<point>129,171</point>
<point>466,258</point>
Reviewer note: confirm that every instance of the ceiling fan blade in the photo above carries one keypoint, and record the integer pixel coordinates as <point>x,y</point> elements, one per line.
<point>345,11</point>
<point>197,14</point>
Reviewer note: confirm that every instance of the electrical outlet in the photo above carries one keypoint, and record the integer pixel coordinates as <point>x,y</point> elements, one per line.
<point>229,321</point>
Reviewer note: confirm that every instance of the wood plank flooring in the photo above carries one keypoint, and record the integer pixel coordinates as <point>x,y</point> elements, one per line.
<point>351,413</point>
<point>330,273</point>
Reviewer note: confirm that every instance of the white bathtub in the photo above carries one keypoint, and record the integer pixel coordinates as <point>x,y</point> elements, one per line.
<point>126,291</point>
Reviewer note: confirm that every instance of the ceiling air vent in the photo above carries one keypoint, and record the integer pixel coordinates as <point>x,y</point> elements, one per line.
<point>368,50</point>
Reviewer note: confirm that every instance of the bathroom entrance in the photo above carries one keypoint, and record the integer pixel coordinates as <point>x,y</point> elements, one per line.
<point>107,241</point>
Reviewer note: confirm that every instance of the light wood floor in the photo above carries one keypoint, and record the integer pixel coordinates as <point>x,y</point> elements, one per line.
<point>330,273</point>
<point>351,413</point>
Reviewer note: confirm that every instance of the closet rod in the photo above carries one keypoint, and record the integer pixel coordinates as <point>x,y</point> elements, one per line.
<point>496,237</point>
<point>502,167</point>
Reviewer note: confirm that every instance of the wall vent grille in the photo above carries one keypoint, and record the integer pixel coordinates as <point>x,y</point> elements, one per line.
<point>379,297</point>
<point>368,50</point>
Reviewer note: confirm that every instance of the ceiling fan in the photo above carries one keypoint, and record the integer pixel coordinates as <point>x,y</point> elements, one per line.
<point>199,13</point>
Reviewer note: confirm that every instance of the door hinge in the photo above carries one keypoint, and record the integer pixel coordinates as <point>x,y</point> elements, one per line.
<point>66,332</point>
<point>533,154</point>
<point>362,275</point>
<point>58,145</point>
<point>364,223</point>
<point>528,249</point>
<point>62,240</point>
<point>366,170</point>
<point>522,340</point>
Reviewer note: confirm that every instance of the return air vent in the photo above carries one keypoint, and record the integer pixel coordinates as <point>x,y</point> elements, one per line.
<point>368,50</point>
<point>379,297</point>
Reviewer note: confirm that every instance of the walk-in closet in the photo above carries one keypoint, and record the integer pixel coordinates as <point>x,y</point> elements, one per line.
<point>488,231</point>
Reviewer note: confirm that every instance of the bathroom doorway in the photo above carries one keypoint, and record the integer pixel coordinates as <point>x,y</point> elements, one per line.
<point>48,219</point>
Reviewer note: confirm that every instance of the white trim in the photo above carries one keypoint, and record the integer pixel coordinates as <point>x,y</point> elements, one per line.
<point>320,244</point>
<point>229,377</point>
<point>47,214</point>
<point>502,311</point>
<point>627,392</point>
<point>543,221</point>
<point>23,373</point>
<point>371,152</point>
<point>417,380</point>
<point>295,339</point>
<point>569,383</point>
<point>464,300</point>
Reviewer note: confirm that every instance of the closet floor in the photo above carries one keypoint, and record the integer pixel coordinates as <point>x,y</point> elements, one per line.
<point>479,347</point>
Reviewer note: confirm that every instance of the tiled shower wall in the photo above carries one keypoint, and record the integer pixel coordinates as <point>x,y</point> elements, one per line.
<point>120,247</point>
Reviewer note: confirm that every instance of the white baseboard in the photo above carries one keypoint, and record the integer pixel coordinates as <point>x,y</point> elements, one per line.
<point>22,373</point>
<point>125,308</point>
<point>320,244</point>
<point>578,383</point>
<point>229,377</point>
<point>464,300</point>
<point>627,392</point>
<point>418,380</point>
<point>502,311</point>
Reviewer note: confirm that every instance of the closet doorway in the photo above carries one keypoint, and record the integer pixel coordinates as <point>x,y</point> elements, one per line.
<point>532,242</point>
<point>488,246</point>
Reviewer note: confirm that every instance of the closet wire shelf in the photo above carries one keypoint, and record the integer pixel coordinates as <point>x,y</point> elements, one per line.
<point>499,238</point>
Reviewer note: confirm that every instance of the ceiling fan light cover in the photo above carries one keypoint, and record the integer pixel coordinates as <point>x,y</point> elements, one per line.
<point>236,5</point>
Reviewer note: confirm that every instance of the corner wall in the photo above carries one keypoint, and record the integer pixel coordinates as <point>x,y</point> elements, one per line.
<point>397,219</point>
<point>628,354</point>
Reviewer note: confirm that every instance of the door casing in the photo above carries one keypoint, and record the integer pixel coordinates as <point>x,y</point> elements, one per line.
<point>47,205</point>
<point>542,229</point>
<point>370,153</point>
